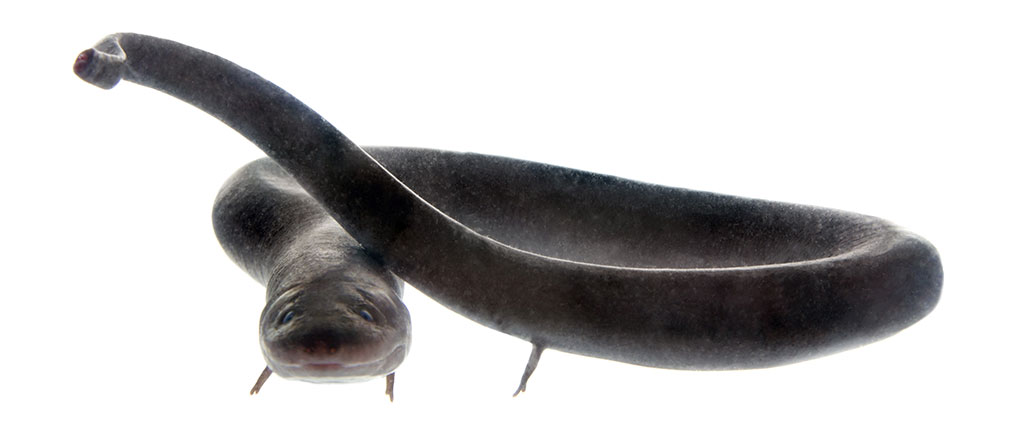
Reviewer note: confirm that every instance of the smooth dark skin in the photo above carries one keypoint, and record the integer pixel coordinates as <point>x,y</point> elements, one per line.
<point>333,313</point>
<point>570,260</point>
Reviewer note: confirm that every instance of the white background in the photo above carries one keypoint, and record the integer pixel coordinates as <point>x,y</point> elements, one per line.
<point>122,316</point>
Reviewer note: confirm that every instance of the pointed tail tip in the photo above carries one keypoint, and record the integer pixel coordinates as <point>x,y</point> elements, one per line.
<point>99,67</point>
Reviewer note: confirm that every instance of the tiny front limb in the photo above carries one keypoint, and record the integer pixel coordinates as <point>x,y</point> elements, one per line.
<point>389,385</point>
<point>261,380</point>
<point>534,358</point>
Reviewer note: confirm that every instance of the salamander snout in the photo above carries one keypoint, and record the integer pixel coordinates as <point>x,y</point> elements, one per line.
<point>323,343</point>
<point>334,332</point>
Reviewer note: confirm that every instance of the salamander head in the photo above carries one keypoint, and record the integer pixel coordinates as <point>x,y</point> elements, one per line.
<point>336,331</point>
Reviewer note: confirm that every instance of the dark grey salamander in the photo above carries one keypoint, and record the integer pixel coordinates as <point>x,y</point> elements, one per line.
<point>570,260</point>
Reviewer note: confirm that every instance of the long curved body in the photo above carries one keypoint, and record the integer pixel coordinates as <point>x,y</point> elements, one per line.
<point>570,260</point>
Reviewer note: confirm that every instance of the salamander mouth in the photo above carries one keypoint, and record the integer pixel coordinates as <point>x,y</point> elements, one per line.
<point>329,366</point>
<point>341,371</point>
<point>324,366</point>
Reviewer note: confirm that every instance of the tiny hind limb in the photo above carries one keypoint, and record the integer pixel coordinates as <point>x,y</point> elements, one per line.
<point>534,358</point>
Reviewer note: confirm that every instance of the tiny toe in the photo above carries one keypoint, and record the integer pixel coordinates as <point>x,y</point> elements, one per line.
<point>389,386</point>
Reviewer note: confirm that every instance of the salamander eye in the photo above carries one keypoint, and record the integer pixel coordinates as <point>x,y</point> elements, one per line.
<point>286,318</point>
<point>366,315</point>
